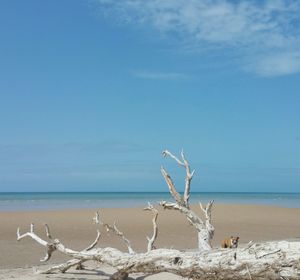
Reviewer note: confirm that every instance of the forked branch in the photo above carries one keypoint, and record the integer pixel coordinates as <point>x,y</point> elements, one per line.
<point>205,229</point>
<point>171,187</point>
<point>189,176</point>
<point>54,245</point>
<point>155,228</point>
<point>113,228</point>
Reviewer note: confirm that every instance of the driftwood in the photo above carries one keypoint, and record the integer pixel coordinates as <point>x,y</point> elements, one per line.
<point>205,229</point>
<point>269,260</point>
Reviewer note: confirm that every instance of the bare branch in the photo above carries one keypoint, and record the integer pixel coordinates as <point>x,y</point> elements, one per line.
<point>51,247</point>
<point>70,263</point>
<point>205,230</point>
<point>94,243</point>
<point>188,179</point>
<point>63,267</point>
<point>48,231</point>
<point>96,219</point>
<point>268,253</point>
<point>115,230</point>
<point>155,228</point>
<point>207,209</point>
<point>249,245</point>
<point>171,186</point>
<point>119,233</point>
<point>209,233</point>
<point>32,235</point>
<point>191,216</point>
<point>166,153</point>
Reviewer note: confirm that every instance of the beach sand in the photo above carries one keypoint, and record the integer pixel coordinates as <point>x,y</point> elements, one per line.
<point>76,230</point>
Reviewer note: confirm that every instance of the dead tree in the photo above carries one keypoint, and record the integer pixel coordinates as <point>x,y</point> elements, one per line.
<point>269,260</point>
<point>205,229</point>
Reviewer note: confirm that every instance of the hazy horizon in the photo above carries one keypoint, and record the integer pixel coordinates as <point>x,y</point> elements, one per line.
<point>163,192</point>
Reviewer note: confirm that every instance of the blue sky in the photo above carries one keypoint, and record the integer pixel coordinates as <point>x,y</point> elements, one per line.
<point>92,92</point>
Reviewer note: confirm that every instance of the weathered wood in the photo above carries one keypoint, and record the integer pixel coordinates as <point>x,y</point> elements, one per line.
<point>205,229</point>
<point>155,228</point>
<point>269,260</point>
<point>113,228</point>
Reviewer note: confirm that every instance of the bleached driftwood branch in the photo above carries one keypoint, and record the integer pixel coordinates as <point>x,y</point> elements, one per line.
<point>205,229</point>
<point>113,228</point>
<point>270,260</point>
<point>155,228</point>
<point>54,245</point>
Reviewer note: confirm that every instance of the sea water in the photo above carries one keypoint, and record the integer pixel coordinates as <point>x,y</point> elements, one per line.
<point>28,201</point>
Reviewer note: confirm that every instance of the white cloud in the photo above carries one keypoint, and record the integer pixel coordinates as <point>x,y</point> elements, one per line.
<point>254,29</point>
<point>277,65</point>
<point>160,75</point>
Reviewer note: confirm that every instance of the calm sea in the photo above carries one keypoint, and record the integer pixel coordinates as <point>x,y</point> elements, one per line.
<point>68,200</point>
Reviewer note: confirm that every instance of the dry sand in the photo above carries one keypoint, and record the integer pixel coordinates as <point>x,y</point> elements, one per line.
<point>76,230</point>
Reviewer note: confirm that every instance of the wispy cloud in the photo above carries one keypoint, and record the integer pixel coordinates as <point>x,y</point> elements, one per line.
<point>278,64</point>
<point>160,75</point>
<point>266,33</point>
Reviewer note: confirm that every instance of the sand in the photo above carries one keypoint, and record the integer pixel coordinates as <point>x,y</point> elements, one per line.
<point>76,230</point>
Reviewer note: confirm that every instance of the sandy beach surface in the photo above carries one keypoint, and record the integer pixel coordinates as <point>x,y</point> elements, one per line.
<point>76,230</point>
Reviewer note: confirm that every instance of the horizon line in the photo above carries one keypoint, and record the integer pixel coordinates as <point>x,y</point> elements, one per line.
<point>181,192</point>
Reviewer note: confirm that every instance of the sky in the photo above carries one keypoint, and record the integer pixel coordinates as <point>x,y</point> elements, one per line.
<point>93,91</point>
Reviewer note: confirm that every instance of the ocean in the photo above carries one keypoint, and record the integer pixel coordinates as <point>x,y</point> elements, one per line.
<point>29,201</point>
